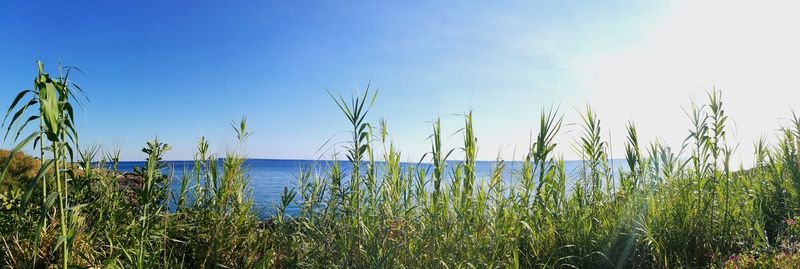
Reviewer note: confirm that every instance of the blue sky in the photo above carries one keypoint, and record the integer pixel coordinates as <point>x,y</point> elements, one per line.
<point>182,69</point>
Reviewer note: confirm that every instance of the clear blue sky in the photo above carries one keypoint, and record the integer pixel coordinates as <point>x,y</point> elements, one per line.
<point>182,69</point>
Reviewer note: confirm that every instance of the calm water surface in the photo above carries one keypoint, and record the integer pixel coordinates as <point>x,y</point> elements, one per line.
<point>268,177</point>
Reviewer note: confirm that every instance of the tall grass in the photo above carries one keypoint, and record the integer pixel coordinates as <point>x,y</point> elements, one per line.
<point>54,98</point>
<point>688,207</point>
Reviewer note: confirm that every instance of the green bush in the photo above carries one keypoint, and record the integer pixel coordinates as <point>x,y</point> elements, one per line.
<point>21,170</point>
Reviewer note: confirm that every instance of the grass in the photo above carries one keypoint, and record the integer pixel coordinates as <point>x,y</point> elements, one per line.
<point>667,209</point>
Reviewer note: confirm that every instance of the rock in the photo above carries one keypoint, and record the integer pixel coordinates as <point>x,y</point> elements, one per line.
<point>130,183</point>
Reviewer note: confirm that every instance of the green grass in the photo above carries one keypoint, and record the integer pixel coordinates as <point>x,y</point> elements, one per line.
<point>670,209</point>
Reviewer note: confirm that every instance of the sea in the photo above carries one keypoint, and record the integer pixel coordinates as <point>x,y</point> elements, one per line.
<point>268,177</point>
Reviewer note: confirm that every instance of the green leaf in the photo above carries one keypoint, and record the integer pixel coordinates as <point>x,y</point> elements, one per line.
<point>76,207</point>
<point>18,114</point>
<point>14,103</point>
<point>22,127</point>
<point>51,111</point>
<point>39,177</point>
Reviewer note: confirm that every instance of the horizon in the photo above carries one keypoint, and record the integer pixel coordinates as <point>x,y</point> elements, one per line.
<point>331,160</point>
<point>179,71</point>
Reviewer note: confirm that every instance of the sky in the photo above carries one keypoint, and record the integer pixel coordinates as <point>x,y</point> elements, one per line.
<point>178,70</point>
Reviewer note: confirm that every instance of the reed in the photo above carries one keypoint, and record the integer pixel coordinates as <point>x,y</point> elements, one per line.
<point>53,97</point>
<point>686,207</point>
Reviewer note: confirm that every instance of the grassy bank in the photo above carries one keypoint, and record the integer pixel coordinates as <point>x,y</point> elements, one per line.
<point>689,208</point>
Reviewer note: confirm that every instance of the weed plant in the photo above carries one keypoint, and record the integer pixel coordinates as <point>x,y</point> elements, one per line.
<point>665,209</point>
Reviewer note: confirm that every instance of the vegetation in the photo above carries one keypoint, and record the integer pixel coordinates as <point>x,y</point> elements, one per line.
<point>666,209</point>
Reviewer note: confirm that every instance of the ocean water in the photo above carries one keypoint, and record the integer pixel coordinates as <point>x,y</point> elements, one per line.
<point>268,177</point>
